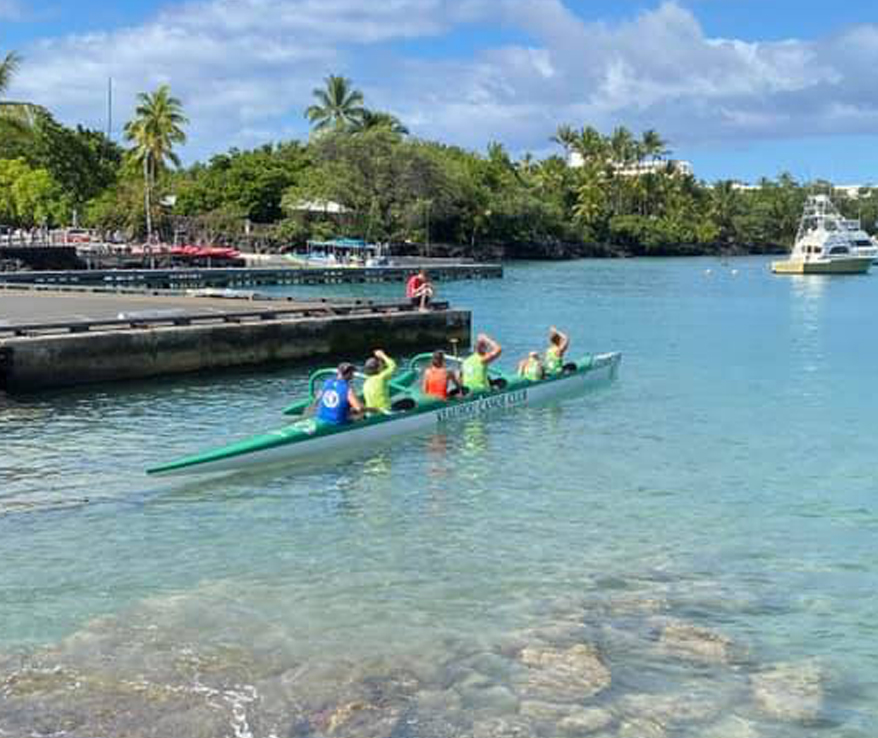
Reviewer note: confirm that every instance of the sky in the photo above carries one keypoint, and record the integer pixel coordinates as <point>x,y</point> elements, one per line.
<point>741,88</point>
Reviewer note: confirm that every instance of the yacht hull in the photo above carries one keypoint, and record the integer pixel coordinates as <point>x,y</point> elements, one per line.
<point>851,265</point>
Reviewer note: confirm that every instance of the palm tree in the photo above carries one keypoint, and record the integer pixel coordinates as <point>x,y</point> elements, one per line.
<point>590,145</point>
<point>565,136</point>
<point>8,67</point>
<point>157,125</point>
<point>653,145</point>
<point>623,146</point>
<point>725,206</point>
<point>19,115</point>
<point>371,119</point>
<point>338,105</point>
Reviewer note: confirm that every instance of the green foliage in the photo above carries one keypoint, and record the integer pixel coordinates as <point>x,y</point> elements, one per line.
<point>83,162</point>
<point>337,106</point>
<point>249,182</point>
<point>389,185</point>
<point>30,197</point>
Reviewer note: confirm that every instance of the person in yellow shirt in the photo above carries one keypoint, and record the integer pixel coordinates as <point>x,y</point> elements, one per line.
<point>376,391</point>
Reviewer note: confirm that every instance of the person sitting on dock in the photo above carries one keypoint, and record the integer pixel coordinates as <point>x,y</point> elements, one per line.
<point>475,366</point>
<point>558,345</point>
<point>437,377</point>
<point>532,367</point>
<point>337,403</point>
<point>419,290</point>
<point>376,391</point>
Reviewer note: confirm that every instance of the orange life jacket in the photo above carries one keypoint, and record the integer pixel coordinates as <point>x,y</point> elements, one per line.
<point>436,382</point>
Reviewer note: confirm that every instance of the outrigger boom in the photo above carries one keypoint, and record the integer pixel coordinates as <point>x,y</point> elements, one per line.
<point>311,438</point>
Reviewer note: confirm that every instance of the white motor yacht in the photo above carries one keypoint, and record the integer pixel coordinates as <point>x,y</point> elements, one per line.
<point>825,243</point>
<point>861,243</point>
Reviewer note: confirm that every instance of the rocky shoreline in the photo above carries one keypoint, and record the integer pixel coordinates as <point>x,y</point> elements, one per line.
<point>570,251</point>
<point>577,671</point>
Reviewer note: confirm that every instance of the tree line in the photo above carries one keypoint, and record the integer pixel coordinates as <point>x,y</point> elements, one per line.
<point>361,174</point>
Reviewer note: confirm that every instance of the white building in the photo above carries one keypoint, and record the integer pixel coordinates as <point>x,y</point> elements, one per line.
<point>636,169</point>
<point>852,191</point>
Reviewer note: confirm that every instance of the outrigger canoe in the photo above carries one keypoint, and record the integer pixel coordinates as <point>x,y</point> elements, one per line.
<point>310,438</point>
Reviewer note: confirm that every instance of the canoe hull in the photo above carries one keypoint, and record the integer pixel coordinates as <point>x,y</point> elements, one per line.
<point>288,445</point>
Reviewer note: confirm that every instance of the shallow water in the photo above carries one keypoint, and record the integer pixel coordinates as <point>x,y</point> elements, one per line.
<point>709,515</point>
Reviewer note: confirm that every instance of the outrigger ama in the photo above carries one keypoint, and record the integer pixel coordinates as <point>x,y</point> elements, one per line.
<point>415,412</point>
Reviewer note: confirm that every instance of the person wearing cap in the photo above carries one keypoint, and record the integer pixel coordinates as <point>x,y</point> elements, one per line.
<point>475,367</point>
<point>337,403</point>
<point>558,345</point>
<point>379,368</point>
<point>532,367</point>
<point>437,378</point>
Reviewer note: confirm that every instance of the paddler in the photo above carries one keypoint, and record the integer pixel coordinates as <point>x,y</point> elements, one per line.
<point>532,367</point>
<point>475,367</point>
<point>376,391</point>
<point>437,377</point>
<point>337,403</point>
<point>558,345</point>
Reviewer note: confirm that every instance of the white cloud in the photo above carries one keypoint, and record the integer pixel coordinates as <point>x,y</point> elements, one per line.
<point>245,68</point>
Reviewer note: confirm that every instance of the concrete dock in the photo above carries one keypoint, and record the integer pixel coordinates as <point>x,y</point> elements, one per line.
<point>247,277</point>
<point>61,339</point>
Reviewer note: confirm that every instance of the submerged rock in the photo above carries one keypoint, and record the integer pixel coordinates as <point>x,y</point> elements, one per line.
<point>790,691</point>
<point>503,727</point>
<point>545,712</point>
<point>693,642</point>
<point>732,727</point>
<point>667,709</point>
<point>641,728</point>
<point>563,675</point>
<point>585,721</point>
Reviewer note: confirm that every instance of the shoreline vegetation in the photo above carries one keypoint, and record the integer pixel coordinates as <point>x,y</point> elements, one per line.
<point>361,174</point>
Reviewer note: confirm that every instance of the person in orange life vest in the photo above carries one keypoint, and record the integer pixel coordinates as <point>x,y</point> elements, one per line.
<point>419,290</point>
<point>437,377</point>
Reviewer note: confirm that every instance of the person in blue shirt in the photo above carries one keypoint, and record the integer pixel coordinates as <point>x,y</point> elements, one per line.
<point>337,402</point>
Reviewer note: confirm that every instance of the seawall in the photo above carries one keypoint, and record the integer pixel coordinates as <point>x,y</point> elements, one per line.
<point>35,362</point>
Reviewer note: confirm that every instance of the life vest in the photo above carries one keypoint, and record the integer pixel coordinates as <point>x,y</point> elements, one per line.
<point>436,382</point>
<point>533,370</point>
<point>554,361</point>
<point>475,374</point>
<point>334,406</point>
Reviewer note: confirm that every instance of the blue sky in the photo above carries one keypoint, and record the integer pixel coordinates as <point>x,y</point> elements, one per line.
<point>742,88</point>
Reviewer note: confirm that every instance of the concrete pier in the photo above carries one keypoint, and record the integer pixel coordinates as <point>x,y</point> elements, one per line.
<point>247,277</point>
<point>165,340</point>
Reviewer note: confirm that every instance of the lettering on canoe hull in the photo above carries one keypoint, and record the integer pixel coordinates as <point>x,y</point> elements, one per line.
<point>472,409</point>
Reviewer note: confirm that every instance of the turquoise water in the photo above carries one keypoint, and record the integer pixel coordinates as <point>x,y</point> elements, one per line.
<point>705,525</point>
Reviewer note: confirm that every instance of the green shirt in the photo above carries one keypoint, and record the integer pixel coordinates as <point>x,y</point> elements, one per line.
<point>533,370</point>
<point>554,360</point>
<point>376,389</point>
<point>475,374</point>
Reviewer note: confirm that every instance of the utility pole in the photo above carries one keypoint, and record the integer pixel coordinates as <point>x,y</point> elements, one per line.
<point>110,108</point>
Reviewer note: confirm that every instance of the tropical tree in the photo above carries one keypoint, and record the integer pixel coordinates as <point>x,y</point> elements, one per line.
<point>157,125</point>
<point>652,144</point>
<point>16,117</point>
<point>565,136</point>
<point>624,146</point>
<point>338,105</point>
<point>370,119</point>
<point>725,207</point>
<point>8,67</point>
<point>590,145</point>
